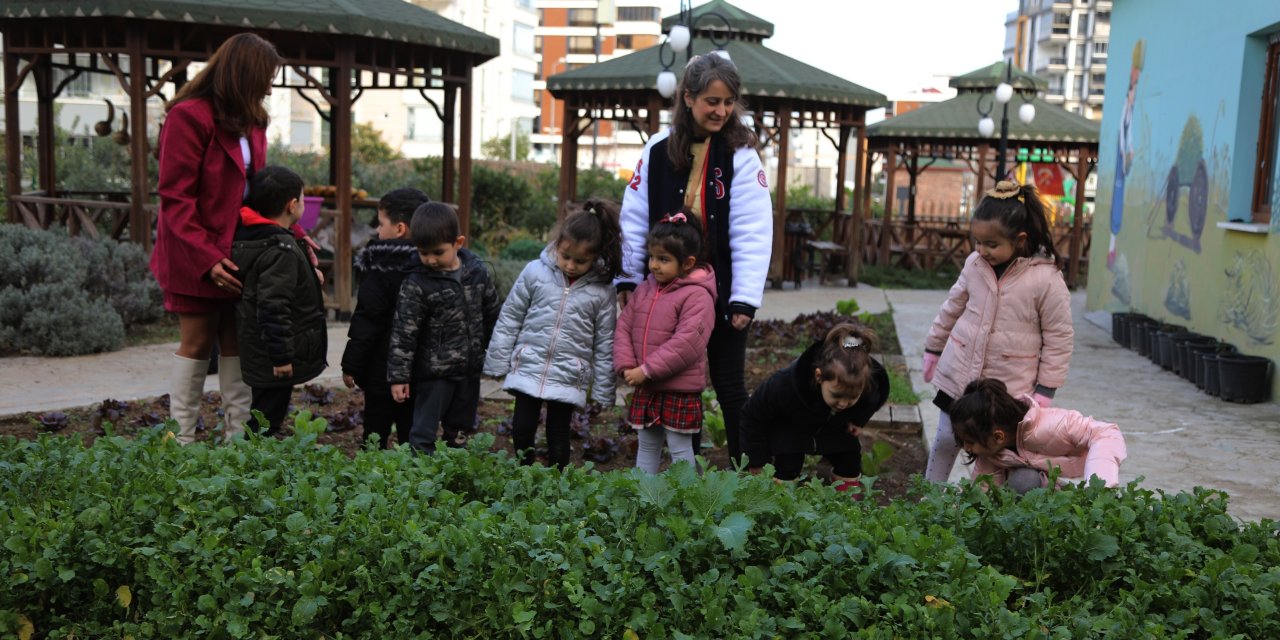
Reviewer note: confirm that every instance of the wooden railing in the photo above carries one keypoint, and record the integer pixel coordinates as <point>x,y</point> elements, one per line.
<point>933,244</point>
<point>95,214</point>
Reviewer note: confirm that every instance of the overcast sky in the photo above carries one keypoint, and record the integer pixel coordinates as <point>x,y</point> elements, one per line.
<point>891,46</point>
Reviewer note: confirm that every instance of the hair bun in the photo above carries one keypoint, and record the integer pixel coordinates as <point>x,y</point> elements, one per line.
<point>1004,190</point>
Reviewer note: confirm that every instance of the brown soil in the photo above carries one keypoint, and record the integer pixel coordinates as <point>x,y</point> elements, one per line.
<point>342,407</point>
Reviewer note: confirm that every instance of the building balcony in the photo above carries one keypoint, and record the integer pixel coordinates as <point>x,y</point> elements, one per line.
<point>1098,64</point>
<point>1060,34</point>
<point>1057,64</point>
<point>1054,98</point>
<point>1094,98</point>
<point>1062,6</point>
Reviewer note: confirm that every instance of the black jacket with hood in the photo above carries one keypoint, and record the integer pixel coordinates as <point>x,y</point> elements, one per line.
<point>383,265</point>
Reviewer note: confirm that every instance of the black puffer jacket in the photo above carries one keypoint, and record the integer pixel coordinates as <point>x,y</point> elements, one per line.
<point>383,265</point>
<point>442,326</point>
<point>786,413</point>
<point>280,315</point>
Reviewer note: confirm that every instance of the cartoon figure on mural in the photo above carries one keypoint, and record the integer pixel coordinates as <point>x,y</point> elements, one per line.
<point>1251,298</point>
<point>1124,152</point>
<point>1189,170</point>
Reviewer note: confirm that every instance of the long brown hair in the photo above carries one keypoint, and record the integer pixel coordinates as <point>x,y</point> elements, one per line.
<point>698,75</point>
<point>986,407</point>
<point>235,81</point>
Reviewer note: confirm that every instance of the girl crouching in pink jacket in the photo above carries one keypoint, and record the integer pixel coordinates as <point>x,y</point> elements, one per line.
<point>660,343</point>
<point>1017,442</point>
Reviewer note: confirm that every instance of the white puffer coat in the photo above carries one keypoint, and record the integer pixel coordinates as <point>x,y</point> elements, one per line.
<point>554,340</point>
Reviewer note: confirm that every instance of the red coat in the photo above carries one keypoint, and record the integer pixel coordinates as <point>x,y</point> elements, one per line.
<point>664,329</point>
<point>202,181</point>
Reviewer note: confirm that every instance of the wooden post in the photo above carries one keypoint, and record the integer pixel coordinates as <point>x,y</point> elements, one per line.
<point>340,148</point>
<point>842,153</point>
<point>568,157</point>
<point>45,127</point>
<point>853,266</point>
<point>913,170</point>
<point>12,135</point>
<point>1077,223</point>
<point>886,228</point>
<point>655,113</point>
<point>464,158</point>
<point>447,172</point>
<point>780,206</point>
<point>139,189</point>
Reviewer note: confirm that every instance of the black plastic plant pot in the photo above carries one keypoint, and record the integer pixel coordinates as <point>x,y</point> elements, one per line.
<point>1135,326</point>
<point>1212,377</point>
<point>1189,351</point>
<point>1207,370</point>
<point>1244,378</point>
<point>1143,338</point>
<point>1164,348</point>
<point>1153,343</point>
<point>1118,320</point>
<point>1179,341</point>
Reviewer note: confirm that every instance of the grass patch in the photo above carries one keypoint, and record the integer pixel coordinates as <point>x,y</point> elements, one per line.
<point>898,278</point>
<point>900,391</point>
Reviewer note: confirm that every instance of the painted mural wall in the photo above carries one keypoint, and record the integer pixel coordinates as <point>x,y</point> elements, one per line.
<point>1179,135</point>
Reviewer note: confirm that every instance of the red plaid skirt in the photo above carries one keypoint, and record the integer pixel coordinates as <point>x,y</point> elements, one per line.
<point>672,410</point>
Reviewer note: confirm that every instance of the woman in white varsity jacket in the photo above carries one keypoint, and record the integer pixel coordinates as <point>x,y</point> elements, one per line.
<point>707,163</point>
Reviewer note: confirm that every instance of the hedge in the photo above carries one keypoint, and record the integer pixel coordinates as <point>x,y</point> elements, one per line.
<point>288,539</point>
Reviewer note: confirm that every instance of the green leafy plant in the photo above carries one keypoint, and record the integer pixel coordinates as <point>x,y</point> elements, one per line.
<point>713,419</point>
<point>847,307</point>
<point>872,460</point>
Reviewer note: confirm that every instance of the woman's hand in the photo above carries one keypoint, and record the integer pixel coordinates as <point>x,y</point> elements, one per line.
<point>740,321</point>
<point>399,392</point>
<point>349,380</point>
<point>282,372</point>
<point>221,276</point>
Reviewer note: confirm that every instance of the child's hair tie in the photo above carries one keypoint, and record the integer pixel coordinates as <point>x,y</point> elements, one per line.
<point>674,218</point>
<point>1006,189</point>
<point>852,342</point>
<point>591,209</point>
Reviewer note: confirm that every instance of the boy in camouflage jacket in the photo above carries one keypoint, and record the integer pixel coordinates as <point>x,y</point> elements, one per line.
<point>444,317</point>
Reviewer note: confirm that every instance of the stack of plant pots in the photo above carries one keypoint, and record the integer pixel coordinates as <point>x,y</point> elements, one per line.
<point>1211,364</point>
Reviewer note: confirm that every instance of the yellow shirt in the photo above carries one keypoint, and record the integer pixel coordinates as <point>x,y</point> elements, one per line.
<point>697,178</point>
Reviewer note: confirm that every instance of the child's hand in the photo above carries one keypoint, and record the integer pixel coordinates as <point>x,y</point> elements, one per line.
<point>854,430</point>
<point>399,392</point>
<point>1044,401</point>
<point>282,372</point>
<point>930,363</point>
<point>349,381</point>
<point>634,377</point>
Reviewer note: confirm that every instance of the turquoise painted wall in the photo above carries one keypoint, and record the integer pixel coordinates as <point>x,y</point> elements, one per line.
<point>1179,135</point>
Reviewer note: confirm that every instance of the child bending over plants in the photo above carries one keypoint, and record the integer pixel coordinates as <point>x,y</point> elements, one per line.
<point>554,336</point>
<point>815,406</point>
<point>1017,442</point>
<point>661,345</point>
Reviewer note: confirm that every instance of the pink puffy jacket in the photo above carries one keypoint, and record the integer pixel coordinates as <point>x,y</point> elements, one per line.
<point>1016,330</point>
<point>665,329</point>
<point>1081,446</point>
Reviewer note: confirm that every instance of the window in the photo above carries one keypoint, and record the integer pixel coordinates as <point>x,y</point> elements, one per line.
<point>1103,17</point>
<point>1099,49</point>
<point>1079,55</point>
<point>300,133</point>
<point>537,44</point>
<point>582,44</point>
<point>1079,94</point>
<point>582,17</point>
<point>1082,27</point>
<point>523,41</point>
<point>625,42</point>
<point>424,125</point>
<point>1266,175</point>
<point>639,14</point>
<point>522,85</point>
<point>81,87</point>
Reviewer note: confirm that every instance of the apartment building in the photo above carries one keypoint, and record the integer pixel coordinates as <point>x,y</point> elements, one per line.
<point>566,38</point>
<point>1066,43</point>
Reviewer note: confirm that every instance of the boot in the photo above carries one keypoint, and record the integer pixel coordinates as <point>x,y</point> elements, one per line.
<point>851,485</point>
<point>185,395</point>
<point>236,397</point>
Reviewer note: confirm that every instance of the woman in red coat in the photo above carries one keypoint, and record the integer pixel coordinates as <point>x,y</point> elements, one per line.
<point>213,139</point>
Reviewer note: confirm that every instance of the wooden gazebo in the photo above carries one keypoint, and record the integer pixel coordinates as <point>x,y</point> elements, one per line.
<point>149,44</point>
<point>781,93</point>
<point>949,130</point>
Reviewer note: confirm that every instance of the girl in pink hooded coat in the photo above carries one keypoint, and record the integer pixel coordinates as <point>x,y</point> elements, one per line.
<point>660,343</point>
<point>1018,442</point>
<point>1008,316</point>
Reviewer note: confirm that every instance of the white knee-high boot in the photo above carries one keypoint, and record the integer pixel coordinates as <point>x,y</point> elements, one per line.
<point>185,394</point>
<point>236,397</point>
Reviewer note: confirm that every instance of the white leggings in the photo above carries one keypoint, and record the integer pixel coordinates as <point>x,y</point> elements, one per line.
<point>649,451</point>
<point>942,457</point>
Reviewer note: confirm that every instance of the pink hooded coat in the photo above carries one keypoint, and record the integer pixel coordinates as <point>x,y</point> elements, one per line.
<point>1081,446</point>
<point>665,328</point>
<point>1016,330</point>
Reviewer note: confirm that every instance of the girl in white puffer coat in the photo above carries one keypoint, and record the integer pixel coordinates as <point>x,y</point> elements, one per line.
<point>554,337</point>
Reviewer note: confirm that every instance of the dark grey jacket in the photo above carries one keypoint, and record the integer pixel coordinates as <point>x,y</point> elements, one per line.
<point>281,318</point>
<point>442,325</point>
<point>383,266</point>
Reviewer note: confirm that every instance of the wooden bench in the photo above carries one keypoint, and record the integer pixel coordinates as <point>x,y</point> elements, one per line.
<point>826,257</point>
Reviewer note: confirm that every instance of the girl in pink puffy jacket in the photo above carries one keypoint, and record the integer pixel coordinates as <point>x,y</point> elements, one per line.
<point>660,344</point>
<point>1007,317</point>
<point>1018,442</point>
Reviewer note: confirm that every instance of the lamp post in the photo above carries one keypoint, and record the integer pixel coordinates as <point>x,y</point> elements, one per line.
<point>986,126</point>
<point>680,38</point>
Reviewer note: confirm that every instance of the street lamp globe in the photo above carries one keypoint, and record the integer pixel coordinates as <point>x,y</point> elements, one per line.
<point>986,127</point>
<point>678,38</point>
<point>667,83</point>
<point>1027,113</point>
<point>1004,92</point>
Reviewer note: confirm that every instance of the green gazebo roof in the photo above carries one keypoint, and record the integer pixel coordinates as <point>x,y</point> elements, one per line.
<point>384,19</point>
<point>958,117</point>
<point>990,76</point>
<point>739,21</point>
<point>765,73</point>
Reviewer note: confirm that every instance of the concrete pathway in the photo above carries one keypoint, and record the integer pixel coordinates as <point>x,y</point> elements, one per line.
<point>1178,437</point>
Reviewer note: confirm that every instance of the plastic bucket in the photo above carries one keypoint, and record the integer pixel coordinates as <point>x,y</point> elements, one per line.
<point>310,212</point>
<point>1244,378</point>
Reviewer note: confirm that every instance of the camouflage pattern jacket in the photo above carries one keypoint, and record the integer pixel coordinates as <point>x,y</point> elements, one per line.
<point>442,325</point>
